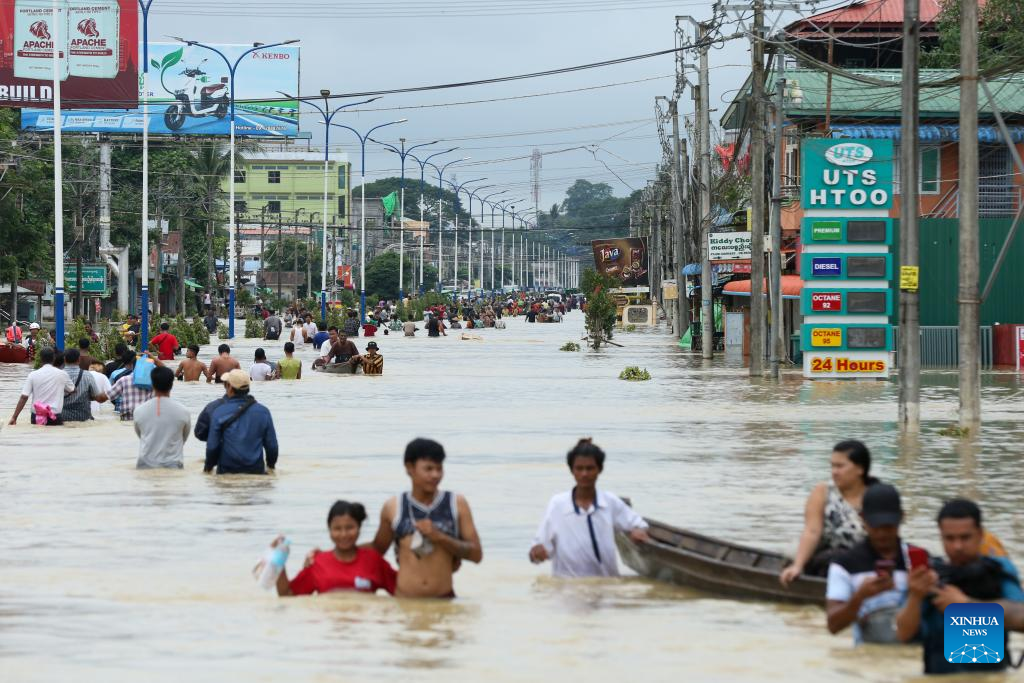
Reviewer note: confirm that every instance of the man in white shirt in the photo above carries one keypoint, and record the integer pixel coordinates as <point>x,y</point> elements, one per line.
<point>47,385</point>
<point>162,424</point>
<point>309,329</point>
<point>261,370</point>
<point>578,531</point>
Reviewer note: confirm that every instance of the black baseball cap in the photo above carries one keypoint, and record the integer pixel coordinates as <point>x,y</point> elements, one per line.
<point>881,506</point>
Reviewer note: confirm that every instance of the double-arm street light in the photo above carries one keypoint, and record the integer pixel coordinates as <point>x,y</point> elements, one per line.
<point>362,210</point>
<point>423,163</point>
<point>232,228</point>
<point>486,200</point>
<point>440,218</point>
<point>469,239</point>
<point>328,115</point>
<point>469,212</point>
<point>402,154</point>
<point>502,205</point>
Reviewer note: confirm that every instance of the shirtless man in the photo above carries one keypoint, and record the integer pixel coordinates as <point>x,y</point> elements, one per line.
<point>223,363</point>
<point>192,369</point>
<point>432,530</point>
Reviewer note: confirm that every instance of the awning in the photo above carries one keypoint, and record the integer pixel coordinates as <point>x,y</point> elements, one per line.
<point>192,284</point>
<point>725,267</point>
<point>791,286</point>
<point>935,133</point>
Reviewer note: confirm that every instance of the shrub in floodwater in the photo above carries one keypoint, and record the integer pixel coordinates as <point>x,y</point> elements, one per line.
<point>570,346</point>
<point>222,331</point>
<point>630,328</point>
<point>956,432</point>
<point>253,327</point>
<point>635,374</point>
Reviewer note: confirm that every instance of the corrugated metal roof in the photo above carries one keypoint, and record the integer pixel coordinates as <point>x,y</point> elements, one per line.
<point>864,15</point>
<point>853,101</point>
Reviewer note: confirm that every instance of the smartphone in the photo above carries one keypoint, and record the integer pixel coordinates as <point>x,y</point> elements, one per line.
<point>918,557</point>
<point>885,567</point>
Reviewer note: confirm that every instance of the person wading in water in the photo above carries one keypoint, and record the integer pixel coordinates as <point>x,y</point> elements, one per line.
<point>433,530</point>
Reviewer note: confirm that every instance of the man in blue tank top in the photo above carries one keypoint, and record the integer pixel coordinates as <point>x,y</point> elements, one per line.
<point>432,530</point>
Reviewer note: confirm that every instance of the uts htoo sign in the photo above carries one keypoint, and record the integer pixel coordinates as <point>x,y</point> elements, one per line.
<point>847,174</point>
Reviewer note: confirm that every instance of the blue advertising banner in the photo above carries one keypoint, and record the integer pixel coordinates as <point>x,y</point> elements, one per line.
<point>189,94</point>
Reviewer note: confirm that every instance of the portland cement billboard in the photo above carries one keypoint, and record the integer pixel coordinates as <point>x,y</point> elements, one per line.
<point>97,63</point>
<point>190,91</point>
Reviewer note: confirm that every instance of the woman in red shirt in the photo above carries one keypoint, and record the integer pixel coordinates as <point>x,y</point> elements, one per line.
<point>347,567</point>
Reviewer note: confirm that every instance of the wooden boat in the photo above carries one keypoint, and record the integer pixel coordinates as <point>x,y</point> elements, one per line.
<point>13,354</point>
<point>338,369</point>
<point>689,559</point>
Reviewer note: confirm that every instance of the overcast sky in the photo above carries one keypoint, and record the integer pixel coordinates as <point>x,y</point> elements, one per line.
<point>358,45</point>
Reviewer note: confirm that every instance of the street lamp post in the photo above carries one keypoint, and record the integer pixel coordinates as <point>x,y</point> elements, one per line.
<point>440,213</point>
<point>327,114</point>
<point>362,210</point>
<point>502,205</point>
<point>483,202</point>
<point>402,154</point>
<point>469,212</point>
<point>232,67</point>
<point>144,6</point>
<point>423,163</point>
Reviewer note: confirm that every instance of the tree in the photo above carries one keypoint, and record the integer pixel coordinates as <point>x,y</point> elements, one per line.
<point>382,275</point>
<point>385,186</point>
<point>1000,36</point>
<point>601,311</point>
<point>294,250</point>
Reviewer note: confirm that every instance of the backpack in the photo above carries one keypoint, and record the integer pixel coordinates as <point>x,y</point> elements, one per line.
<point>142,375</point>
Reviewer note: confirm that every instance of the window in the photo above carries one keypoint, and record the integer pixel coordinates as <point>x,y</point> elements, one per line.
<point>341,206</point>
<point>274,177</point>
<point>274,206</point>
<point>239,175</point>
<point>929,170</point>
<point>240,206</point>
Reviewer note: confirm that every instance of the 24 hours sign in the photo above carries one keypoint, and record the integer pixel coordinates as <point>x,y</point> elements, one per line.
<point>847,174</point>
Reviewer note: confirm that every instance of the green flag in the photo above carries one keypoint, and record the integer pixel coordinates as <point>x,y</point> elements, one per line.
<point>390,204</point>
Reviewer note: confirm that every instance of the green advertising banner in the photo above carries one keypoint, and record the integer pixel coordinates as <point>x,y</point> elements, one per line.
<point>94,278</point>
<point>847,174</point>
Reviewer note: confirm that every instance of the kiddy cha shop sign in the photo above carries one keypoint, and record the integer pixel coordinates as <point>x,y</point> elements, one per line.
<point>847,174</point>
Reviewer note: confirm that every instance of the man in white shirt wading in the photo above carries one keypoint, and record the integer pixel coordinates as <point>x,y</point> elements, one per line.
<point>578,531</point>
<point>48,385</point>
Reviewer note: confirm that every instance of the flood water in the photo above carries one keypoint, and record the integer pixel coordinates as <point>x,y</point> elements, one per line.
<point>114,574</point>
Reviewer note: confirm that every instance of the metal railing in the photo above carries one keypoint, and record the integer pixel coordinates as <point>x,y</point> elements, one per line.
<point>940,349</point>
<point>993,201</point>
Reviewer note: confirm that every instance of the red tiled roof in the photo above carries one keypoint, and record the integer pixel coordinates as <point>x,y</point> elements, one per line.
<point>864,15</point>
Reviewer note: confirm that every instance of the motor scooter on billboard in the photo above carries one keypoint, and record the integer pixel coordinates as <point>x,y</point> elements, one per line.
<point>196,99</point>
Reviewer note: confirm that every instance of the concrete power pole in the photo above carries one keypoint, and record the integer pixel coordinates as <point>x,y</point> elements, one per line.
<point>778,340</point>
<point>757,217</point>
<point>682,310</point>
<point>910,322</point>
<point>970,359</point>
<point>704,124</point>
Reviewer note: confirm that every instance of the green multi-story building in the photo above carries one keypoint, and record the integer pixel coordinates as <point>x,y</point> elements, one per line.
<point>292,184</point>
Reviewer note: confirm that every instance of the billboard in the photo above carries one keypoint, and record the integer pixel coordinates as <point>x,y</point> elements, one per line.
<point>98,64</point>
<point>189,94</point>
<point>624,258</point>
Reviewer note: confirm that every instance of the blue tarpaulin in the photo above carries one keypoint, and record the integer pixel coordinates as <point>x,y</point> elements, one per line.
<point>934,133</point>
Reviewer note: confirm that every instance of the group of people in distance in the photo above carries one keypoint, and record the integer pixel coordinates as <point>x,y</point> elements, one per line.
<point>888,590</point>
<point>432,531</point>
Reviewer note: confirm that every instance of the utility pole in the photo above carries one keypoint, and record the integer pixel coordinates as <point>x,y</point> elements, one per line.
<point>910,321</point>
<point>970,359</point>
<point>757,217</point>
<point>682,245</point>
<point>778,339</point>
<point>280,254</point>
<point>704,124</point>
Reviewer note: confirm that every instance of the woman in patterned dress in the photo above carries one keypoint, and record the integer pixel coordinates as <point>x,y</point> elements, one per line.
<point>832,521</point>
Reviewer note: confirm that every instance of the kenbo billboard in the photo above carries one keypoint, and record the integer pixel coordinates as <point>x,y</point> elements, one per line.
<point>97,61</point>
<point>190,94</point>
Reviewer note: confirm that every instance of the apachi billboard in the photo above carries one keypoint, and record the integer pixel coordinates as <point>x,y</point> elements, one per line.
<point>190,91</point>
<point>98,65</point>
<point>624,258</point>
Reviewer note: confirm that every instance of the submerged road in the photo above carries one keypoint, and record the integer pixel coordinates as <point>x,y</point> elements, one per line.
<point>113,574</point>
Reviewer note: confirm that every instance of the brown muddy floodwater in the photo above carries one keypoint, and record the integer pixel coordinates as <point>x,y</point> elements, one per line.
<point>113,574</point>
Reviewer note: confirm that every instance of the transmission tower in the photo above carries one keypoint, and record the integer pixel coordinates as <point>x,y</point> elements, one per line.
<point>536,160</point>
